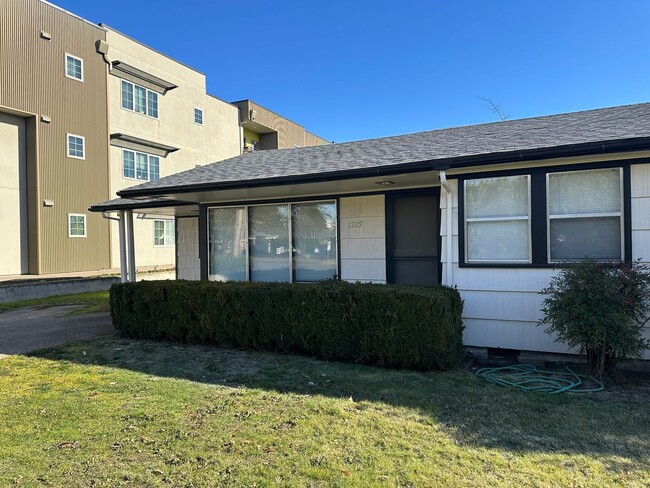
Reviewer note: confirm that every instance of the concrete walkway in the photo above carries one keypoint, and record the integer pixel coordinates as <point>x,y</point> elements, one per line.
<point>28,329</point>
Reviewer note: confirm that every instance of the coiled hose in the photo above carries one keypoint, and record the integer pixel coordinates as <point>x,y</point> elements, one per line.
<point>527,377</point>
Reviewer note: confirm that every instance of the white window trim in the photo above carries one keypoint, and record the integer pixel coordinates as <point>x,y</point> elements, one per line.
<point>549,217</point>
<point>67,146</point>
<point>85,225</point>
<point>146,98</point>
<point>66,67</point>
<point>289,205</point>
<point>135,172</point>
<point>166,221</point>
<point>202,116</point>
<point>500,219</point>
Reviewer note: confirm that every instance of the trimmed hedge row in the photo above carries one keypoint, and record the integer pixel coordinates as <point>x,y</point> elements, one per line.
<point>386,325</point>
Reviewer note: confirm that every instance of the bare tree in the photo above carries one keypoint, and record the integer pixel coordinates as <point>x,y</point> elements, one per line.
<point>496,109</point>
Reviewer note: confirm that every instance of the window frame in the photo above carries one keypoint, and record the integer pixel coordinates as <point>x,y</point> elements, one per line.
<point>135,169</point>
<point>538,216</point>
<point>85,222</point>
<point>619,214</point>
<point>165,222</point>
<point>467,220</point>
<point>147,93</point>
<point>289,204</point>
<point>76,58</point>
<point>67,146</point>
<point>201,113</point>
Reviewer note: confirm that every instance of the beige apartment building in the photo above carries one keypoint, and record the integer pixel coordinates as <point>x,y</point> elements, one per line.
<point>86,111</point>
<point>162,121</point>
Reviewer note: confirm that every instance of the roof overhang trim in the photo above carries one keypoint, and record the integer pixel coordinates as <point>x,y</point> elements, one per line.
<point>137,144</point>
<point>131,73</point>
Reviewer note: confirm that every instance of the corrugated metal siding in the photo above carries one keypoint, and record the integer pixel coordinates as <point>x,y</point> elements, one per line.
<point>640,192</point>
<point>32,79</point>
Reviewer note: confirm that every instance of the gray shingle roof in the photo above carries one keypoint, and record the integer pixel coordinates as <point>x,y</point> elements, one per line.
<point>444,145</point>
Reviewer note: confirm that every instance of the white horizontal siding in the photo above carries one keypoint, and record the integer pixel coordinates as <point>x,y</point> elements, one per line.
<point>362,224</point>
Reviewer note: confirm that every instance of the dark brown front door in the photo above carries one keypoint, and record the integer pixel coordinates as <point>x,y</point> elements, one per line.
<point>413,231</point>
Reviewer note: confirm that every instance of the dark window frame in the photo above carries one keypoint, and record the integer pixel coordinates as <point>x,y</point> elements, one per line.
<point>538,215</point>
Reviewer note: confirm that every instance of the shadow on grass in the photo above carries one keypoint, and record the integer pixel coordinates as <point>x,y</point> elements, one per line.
<point>471,411</point>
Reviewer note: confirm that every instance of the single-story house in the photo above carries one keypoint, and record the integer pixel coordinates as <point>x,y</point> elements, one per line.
<point>491,209</point>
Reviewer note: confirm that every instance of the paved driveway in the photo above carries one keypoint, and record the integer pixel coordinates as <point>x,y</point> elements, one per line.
<point>28,329</point>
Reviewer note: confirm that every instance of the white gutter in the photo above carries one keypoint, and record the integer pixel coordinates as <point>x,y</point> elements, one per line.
<point>449,258</point>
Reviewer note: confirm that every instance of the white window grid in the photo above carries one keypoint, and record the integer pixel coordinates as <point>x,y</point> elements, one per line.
<point>140,166</point>
<point>164,233</point>
<point>509,218</point>
<point>75,146</point>
<point>74,67</point>
<point>198,116</point>
<point>76,225</point>
<point>290,231</point>
<point>138,99</point>
<point>582,215</point>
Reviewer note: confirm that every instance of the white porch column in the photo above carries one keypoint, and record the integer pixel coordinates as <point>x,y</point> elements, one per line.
<point>123,257</point>
<point>131,237</point>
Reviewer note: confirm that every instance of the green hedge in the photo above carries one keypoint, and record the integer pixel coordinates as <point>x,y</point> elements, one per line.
<point>396,326</point>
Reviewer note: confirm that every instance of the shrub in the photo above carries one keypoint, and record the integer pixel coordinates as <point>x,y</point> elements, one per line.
<point>402,327</point>
<point>600,308</point>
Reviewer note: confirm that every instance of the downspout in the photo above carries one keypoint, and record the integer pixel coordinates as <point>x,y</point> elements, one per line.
<point>449,257</point>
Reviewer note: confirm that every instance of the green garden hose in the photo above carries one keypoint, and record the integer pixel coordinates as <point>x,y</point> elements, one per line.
<point>528,378</point>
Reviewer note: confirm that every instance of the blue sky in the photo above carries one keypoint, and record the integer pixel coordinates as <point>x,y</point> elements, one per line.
<point>350,70</point>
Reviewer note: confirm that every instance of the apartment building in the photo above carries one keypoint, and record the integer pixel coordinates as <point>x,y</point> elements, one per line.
<point>53,140</point>
<point>264,129</point>
<point>86,111</point>
<point>162,121</point>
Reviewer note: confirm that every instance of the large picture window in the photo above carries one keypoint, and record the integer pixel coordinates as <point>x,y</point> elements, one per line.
<point>584,211</point>
<point>497,219</point>
<point>292,242</point>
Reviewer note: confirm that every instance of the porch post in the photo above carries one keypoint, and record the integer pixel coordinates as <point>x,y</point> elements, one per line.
<point>123,257</point>
<point>129,224</point>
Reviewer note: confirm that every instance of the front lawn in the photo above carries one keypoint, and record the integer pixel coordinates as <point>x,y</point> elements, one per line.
<point>114,412</point>
<point>92,301</point>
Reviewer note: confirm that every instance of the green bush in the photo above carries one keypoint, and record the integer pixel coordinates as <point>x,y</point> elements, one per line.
<point>600,308</point>
<point>395,326</point>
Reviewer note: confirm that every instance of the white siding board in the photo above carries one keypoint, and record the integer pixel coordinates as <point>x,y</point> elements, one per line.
<point>188,265</point>
<point>641,245</point>
<point>641,213</point>
<point>362,225</point>
<point>502,305</point>
<point>640,180</point>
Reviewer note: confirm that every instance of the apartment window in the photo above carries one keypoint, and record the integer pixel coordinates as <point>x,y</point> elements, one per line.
<point>164,233</point>
<point>74,67</point>
<point>76,225</point>
<point>584,211</point>
<point>140,166</point>
<point>497,219</point>
<point>289,242</point>
<point>198,116</point>
<point>138,99</point>
<point>76,146</point>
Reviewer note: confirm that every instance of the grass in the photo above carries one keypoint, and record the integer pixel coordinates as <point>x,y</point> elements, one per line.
<point>95,301</point>
<point>120,412</point>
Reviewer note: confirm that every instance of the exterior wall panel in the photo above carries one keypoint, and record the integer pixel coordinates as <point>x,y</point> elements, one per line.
<point>362,227</point>
<point>640,193</point>
<point>188,264</point>
<point>33,81</point>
